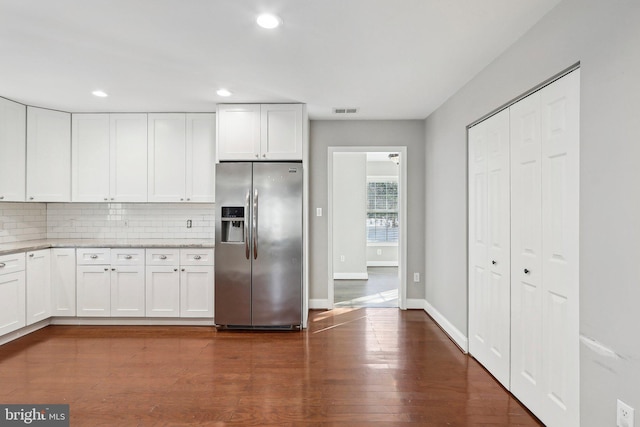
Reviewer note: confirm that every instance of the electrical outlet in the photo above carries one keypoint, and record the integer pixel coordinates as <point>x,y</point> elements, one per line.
<point>126,223</point>
<point>416,277</point>
<point>379,252</point>
<point>318,211</point>
<point>625,415</point>
<point>189,223</point>
<point>343,258</point>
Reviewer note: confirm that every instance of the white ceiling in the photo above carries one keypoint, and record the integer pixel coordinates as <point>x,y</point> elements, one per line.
<point>392,59</point>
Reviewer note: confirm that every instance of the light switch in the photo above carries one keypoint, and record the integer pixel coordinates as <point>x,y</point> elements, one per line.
<point>318,211</point>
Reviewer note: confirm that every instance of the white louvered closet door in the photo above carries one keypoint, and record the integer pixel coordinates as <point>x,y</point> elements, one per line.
<point>489,252</point>
<point>545,250</point>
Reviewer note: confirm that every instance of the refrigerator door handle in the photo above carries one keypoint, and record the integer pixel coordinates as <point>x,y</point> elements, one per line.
<point>255,224</point>
<point>246,225</point>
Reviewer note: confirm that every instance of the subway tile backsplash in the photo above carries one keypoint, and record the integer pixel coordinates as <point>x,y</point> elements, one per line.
<point>22,221</point>
<point>31,221</point>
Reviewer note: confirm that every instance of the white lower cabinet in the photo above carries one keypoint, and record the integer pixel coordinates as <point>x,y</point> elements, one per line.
<point>111,282</point>
<point>38,286</point>
<point>180,283</point>
<point>12,293</point>
<point>63,282</point>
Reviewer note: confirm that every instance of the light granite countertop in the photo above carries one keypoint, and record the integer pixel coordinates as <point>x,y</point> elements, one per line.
<point>33,245</point>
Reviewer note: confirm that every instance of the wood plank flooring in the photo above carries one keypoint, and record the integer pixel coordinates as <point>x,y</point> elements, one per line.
<point>355,367</point>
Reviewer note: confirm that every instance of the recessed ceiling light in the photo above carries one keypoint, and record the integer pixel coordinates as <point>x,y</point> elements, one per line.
<point>269,21</point>
<point>223,92</point>
<point>100,93</point>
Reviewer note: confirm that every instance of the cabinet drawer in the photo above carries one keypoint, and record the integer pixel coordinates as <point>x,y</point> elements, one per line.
<point>12,263</point>
<point>196,256</point>
<point>161,256</point>
<point>127,256</point>
<point>88,256</point>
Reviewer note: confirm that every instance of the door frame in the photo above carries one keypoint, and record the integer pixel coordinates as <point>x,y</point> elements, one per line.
<point>402,215</point>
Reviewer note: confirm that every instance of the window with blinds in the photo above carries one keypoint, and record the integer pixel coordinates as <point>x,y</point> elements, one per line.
<point>382,211</point>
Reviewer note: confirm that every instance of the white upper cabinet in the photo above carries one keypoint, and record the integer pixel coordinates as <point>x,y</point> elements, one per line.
<point>201,157</point>
<point>181,157</point>
<point>90,157</point>
<point>128,157</point>
<point>48,155</point>
<point>281,131</point>
<point>238,132</point>
<point>13,117</point>
<point>109,157</point>
<point>260,132</point>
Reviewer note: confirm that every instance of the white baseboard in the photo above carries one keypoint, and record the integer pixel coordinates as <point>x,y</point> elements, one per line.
<point>382,263</point>
<point>131,321</point>
<point>454,333</point>
<point>23,331</point>
<point>350,276</point>
<point>414,304</point>
<point>319,304</point>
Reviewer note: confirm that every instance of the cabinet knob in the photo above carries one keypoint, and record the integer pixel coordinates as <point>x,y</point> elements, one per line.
<point>94,256</point>
<point>31,255</point>
<point>106,269</point>
<point>526,271</point>
<point>128,257</point>
<point>181,199</point>
<point>1,197</point>
<point>175,269</point>
<point>113,269</point>
<point>183,269</point>
<point>31,198</point>
<point>105,199</point>
<point>264,155</point>
<point>112,198</point>
<point>163,257</point>
<point>197,257</point>
<point>188,199</point>
<point>493,262</point>
<point>2,265</point>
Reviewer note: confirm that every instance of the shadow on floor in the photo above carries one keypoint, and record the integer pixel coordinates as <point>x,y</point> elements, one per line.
<point>380,290</point>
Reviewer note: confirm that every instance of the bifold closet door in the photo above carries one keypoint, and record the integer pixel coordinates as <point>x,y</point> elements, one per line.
<point>489,252</point>
<point>544,251</point>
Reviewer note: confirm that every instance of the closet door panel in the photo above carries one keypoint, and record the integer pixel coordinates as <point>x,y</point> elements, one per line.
<point>560,104</point>
<point>526,248</point>
<point>490,242</point>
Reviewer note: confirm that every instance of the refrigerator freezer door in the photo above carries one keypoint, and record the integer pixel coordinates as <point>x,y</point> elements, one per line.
<point>233,265</point>
<point>277,249</point>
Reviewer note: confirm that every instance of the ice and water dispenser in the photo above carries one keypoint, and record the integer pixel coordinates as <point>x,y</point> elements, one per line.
<point>232,224</point>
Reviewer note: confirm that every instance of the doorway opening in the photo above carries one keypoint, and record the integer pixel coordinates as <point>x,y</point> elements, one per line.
<point>367,223</point>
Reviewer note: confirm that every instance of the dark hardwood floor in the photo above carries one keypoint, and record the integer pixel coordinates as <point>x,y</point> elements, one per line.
<point>352,367</point>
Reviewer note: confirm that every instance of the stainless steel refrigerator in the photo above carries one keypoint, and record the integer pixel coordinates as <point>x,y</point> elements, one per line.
<point>258,252</point>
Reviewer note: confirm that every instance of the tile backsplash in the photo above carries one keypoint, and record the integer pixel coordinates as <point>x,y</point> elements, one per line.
<point>22,221</point>
<point>32,221</point>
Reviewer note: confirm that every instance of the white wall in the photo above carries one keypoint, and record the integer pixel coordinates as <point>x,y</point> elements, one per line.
<point>20,222</point>
<point>330,133</point>
<point>349,215</point>
<point>605,37</point>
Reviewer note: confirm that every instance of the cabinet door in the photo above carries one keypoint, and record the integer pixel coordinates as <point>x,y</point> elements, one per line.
<point>196,291</point>
<point>13,119</point>
<point>48,155</point>
<point>127,291</point>
<point>167,148</point>
<point>128,145</point>
<point>238,131</point>
<point>12,302</point>
<point>63,282</point>
<point>38,286</point>
<point>90,157</point>
<point>162,291</point>
<point>201,157</point>
<point>93,290</point>
<point>281,132</point>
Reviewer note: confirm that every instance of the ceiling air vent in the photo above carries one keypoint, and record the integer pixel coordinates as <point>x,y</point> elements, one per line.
<point>344,110</point>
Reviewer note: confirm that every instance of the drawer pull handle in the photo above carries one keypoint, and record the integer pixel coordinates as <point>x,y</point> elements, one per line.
<point>94,256</point>
<point>128,257</point>
<point>2,265</point>
<point>197,257</point>
<point>163,257</point>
